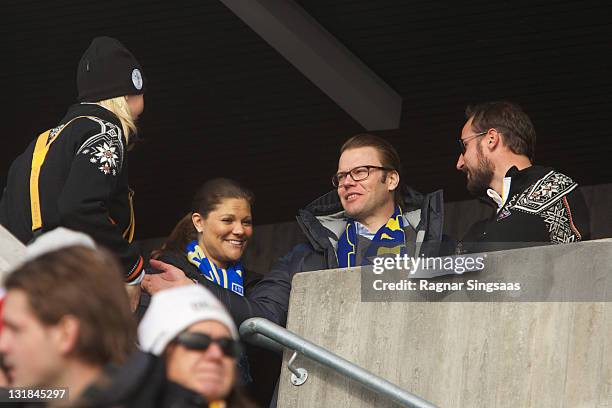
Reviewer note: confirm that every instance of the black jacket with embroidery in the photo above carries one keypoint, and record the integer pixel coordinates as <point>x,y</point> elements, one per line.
<point>543,206</point>
<point>83,185</point>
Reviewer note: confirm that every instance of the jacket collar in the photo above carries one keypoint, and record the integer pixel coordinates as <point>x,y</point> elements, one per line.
<point>521,179</point>
<point>324,219</point>
<point>91,109</point>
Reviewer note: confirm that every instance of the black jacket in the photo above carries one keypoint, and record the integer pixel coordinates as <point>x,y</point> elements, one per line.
<point>140,383</point>
<point>543,206</point>
<point>83,185</point>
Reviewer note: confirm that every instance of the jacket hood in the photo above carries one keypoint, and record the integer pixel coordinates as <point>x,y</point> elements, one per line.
<point>324,219</point>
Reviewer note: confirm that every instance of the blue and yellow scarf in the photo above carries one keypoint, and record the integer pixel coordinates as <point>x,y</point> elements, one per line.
<point>389,239</point>
<point>230,278</point>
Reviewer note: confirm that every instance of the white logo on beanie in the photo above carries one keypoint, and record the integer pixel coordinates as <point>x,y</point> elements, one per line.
<point>137,79</point>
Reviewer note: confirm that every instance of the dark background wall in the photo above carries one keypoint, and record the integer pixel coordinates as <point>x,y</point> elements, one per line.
<point>222,102</point>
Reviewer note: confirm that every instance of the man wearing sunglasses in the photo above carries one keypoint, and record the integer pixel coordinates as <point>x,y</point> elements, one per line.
<point>191,330</point>
<point>533,204</point>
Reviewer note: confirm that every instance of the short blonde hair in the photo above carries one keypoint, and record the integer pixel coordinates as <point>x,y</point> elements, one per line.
<point>121,109</point>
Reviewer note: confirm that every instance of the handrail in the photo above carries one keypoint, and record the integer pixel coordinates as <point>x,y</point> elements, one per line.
<point>256,329</point>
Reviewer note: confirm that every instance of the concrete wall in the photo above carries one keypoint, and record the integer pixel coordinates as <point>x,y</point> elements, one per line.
<point>463,354</point>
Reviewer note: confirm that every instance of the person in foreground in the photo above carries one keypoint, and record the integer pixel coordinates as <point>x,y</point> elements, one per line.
<point>198,340</point>
<point>65,317</point>
<point>67,324</point>
<point>533,204</point>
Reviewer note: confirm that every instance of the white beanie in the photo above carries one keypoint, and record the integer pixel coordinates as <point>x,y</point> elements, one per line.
<point>173,310</point>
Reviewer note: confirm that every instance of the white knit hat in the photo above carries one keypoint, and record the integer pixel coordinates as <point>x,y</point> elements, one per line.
<point>173,310</point>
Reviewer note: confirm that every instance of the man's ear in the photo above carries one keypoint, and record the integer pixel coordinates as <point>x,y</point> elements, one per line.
<point>198,221</point>
<point>392,180</point>
<point>493,139</point>
<point>65,334</point>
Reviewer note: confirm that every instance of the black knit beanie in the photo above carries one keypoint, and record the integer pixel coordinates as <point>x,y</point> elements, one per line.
<point>107,70</point>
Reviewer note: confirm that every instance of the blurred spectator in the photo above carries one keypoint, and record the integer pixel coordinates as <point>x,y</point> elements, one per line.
<point>66,315</point>
<point>196,336</point>
<point>68,325</point>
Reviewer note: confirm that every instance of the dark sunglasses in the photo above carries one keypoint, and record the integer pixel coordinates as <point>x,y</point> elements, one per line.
<point>201,342</point>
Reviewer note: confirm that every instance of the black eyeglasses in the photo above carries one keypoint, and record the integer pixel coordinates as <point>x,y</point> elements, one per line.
<point>462,141</point>
<point>201,342</point>
<point>357,174</point>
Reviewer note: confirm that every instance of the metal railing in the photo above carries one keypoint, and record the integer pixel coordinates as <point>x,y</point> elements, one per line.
<point>266,334</point>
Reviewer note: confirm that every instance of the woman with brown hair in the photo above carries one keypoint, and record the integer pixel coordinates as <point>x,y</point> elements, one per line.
<point>208,243</point>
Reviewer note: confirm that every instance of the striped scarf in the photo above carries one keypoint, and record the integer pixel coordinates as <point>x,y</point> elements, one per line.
<point>389,239</point>
<point>230,278</point>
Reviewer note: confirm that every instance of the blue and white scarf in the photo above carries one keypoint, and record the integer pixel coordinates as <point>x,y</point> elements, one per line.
<point>389,239</point>
<point>230,278</point>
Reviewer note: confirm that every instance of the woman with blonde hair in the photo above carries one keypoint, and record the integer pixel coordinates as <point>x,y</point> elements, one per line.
<point>75,175</point>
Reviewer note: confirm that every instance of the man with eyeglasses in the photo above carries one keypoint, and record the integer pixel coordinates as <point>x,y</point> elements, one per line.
<point>369,214</point>
<point>533,204</point>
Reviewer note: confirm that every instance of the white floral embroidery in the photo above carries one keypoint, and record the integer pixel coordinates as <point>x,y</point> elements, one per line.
<point>105,149</point>
<point>105,168</point>
<point>106,154</point>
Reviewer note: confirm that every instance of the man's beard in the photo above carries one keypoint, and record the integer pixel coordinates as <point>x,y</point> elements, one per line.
<point>479,178</point>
